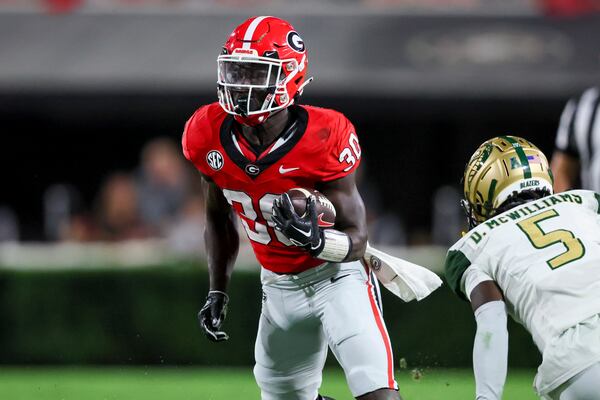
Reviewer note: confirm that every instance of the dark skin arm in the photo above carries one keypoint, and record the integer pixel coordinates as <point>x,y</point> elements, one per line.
<point>565,169</point>
<point>351,219</point>
<point>484,293</point>
<point>350,212</point>
<point>220,236</point>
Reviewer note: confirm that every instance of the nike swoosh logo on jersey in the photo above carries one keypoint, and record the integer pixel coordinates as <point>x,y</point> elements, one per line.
<point>286,170</point>
<point>307,234</point>
<point>337,278</point>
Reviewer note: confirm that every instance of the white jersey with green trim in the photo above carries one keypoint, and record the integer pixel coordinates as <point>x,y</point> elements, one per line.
<point>545,257</point>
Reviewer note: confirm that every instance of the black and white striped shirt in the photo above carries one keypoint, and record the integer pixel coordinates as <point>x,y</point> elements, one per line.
<point>579,135</point>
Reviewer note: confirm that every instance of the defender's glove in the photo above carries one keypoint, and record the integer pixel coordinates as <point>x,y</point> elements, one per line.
<point>301,231</point>
<point>212,315</point>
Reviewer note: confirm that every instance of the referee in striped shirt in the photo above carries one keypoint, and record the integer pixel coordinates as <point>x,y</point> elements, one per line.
<point>576,158</point>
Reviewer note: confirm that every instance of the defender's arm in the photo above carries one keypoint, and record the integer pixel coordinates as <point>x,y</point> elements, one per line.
<point>350,212</point>
<point>490,347</point>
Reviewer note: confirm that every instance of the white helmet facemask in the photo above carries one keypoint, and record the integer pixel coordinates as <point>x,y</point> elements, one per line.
<point>250,85</point>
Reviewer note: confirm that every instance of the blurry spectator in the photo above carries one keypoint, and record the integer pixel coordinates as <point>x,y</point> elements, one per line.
<point>63,6</point>
<point>569,7</point>
<point>385,228</point>
<point>186,234</point>
<point>64,215</point>
<point>447,218</point>
<point>118,213</point>
<point>576,158</point>
<point>9,227</point>
<point>163,183</point>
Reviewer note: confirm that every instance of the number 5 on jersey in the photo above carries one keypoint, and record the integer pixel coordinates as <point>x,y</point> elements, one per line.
<point>540,239</point>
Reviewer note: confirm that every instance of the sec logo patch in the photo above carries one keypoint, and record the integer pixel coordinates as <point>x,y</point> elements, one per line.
<point>214,159</point>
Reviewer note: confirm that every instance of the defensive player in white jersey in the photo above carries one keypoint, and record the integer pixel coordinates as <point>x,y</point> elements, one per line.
<point>535,255</point>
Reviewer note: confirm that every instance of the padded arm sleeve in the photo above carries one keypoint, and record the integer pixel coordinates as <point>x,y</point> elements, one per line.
<point>490,351</point>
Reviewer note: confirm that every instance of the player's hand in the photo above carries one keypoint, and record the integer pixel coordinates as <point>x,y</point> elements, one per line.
<point>301,231</point>
<point>212,315</point>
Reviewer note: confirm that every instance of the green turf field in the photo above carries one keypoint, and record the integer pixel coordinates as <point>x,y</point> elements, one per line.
<point>171,383</point>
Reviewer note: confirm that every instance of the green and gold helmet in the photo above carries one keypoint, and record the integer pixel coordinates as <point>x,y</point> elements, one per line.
<point>502,167</point>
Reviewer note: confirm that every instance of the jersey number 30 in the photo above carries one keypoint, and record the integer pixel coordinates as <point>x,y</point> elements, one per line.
<point>352,153</point>
<point>540,239</point>
<point>256,231</point>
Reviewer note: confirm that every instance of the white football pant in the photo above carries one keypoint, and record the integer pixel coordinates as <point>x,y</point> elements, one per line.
<point>583,386</point>
<point>335,305</point>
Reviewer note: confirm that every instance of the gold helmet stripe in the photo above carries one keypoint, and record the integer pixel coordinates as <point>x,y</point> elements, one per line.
<point>522,156</point>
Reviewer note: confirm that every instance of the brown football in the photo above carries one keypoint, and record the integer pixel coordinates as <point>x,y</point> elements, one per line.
<point>325,210</point>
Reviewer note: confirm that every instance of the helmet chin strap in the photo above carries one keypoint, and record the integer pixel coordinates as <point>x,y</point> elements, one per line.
<point>306,82</point>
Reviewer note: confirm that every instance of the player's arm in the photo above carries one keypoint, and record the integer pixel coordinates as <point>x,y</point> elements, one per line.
<point>490,346</point>
<point>565,169</point>
<point>345,243</point>
<point>222,243</point>
<point>350,216</point>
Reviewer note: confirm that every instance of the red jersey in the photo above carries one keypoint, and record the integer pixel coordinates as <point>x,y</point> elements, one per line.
<point>319,146</point>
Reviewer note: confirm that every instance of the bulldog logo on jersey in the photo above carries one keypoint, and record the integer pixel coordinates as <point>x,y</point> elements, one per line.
<point>214,159</point>
<point>252,170</point>
<point>295,41</point>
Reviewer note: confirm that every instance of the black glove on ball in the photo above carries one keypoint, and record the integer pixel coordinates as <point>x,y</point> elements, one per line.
<point>301,231</point>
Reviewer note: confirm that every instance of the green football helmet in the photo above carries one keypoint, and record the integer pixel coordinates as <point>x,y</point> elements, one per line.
<point>502,167</point>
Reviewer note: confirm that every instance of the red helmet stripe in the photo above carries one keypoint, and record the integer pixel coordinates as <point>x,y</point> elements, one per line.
<point>250,31</point>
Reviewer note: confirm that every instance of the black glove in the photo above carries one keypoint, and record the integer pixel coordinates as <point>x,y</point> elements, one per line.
<point>301,231</point>
<point>212,315</point>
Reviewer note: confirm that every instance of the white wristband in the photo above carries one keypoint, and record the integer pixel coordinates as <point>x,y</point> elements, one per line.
<point>336,246</point>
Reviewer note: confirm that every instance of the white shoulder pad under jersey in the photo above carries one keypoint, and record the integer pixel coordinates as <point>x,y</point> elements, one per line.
<point>545,257</point>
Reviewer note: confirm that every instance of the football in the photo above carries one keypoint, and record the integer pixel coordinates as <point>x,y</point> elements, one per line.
<point>325,210</point>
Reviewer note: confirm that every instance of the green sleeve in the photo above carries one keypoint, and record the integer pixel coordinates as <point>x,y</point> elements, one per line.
<point>456,264</point>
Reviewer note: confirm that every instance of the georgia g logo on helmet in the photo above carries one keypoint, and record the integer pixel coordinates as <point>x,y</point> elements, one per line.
<point>295,41</point>
<point>261,69</point>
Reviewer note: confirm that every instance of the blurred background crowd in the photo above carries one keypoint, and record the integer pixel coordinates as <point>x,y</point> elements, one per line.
<point>551,7</point>
<point>98,206</point>
<point>157,198</point>
<point>94,95</point>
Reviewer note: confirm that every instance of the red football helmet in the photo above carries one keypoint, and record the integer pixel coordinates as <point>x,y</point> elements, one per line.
<point>261,70</point>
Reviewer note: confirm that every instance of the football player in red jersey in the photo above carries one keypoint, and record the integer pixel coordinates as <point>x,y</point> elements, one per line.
<point>251,147</point>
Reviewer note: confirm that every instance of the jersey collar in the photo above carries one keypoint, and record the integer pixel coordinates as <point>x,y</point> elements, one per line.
<point>286,141</point>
